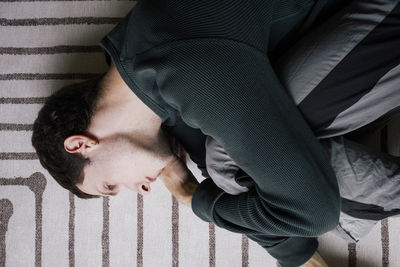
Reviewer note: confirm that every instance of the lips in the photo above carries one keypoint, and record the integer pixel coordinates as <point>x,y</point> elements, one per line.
<point>151,179</point>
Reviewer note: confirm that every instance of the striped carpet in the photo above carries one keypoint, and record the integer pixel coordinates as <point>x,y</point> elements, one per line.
<point>45,45</point>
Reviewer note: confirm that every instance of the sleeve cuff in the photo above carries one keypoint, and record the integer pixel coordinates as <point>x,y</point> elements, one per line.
<point>204,198</point>
<point>294,251</point>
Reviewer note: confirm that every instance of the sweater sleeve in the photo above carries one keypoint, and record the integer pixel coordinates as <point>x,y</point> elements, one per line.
<point>229,91</point>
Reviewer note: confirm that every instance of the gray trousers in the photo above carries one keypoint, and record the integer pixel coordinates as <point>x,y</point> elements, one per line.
<point>369,182</point>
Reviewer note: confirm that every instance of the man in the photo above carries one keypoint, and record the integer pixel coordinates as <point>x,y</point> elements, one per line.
<point>199,69</point>
<point>124,146</point>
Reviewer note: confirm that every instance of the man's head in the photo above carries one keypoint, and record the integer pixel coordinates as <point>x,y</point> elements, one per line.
<point>97,134</point>
<point>68,111</point>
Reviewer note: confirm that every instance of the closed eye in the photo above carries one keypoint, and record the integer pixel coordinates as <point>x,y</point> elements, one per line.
<point>109,190</point>
<point>109,187</point>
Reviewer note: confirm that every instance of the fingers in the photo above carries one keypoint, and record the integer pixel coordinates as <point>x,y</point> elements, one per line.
<point>315,261</point>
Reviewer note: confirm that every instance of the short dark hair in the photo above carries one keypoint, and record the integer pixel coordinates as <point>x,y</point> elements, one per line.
<point>67,112</point>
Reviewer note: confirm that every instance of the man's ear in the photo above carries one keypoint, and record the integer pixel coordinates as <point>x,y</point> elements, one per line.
<point>79,143</point>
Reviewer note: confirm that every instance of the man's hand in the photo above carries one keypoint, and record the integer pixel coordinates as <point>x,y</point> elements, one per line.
<point>179,180</point>
<point>315,261</point>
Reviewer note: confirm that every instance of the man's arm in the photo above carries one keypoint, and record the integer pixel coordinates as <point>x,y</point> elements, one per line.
<point>229,90</point>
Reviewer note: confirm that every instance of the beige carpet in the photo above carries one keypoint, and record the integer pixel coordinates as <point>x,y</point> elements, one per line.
<point>45,45</point>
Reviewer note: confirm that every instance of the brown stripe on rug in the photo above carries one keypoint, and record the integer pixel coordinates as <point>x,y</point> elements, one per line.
<point>18,156</point>
<point>48,76</point>
<point>352,254</point>
<point>59,21</point>
<point>211,236</point>
<point>105,236</point>
<point>50,50</point>
<point>385,242</point>
<point>71,230</point>
<point>245,251</point>
<point>22,100</point>
<point>6,212</point>
<point>15,127</point>
<point>139,252</point>
<point>175,232</point>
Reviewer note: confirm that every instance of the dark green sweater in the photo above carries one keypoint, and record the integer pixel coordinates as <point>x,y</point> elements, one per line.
<point>204,68</point>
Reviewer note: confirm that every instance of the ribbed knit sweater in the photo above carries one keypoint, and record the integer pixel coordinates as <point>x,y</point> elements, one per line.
<point>207,65</point>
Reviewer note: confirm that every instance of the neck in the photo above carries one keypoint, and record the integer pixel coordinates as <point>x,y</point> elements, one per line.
<point>119,110</point>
